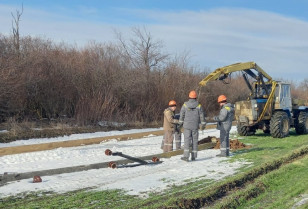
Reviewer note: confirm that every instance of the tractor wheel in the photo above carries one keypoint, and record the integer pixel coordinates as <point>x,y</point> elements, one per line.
<point>280,125</point>
<point>243,130</point>
<point>301,123</point>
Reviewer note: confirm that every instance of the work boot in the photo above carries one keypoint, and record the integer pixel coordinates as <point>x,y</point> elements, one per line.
<point>193,158</point>
<point>221,155</point>
<point>184,158</point>
<point>227,153</point>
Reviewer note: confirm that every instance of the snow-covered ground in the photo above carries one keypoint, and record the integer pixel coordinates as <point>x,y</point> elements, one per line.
<point>138,180</point>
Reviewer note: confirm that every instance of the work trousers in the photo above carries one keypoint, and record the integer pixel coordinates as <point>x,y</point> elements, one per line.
<point>168,141</point>
<point>177,140</point>
<point>190,139</point>
<point>224,142</point>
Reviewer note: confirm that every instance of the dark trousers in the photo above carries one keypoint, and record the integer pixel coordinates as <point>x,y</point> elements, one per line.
<point>224,142</point>
<point>190,140</point>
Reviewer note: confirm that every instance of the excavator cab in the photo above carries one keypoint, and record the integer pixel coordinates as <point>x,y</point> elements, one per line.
<point>261,92</point>
<point>283,99</point>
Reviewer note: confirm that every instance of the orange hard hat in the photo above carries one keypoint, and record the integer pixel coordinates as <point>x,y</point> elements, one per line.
<point>192,95</point>
<point>222,98</point>
<point>172,103</point>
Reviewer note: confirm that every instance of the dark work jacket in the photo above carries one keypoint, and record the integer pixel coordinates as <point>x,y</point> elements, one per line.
<point>192,115</point>
<point>225,117</point>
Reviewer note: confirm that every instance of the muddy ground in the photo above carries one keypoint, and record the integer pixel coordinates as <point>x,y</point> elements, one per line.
<point>234,143</point>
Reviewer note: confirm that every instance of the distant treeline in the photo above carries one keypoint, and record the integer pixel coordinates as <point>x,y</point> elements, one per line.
<point>128,81</point>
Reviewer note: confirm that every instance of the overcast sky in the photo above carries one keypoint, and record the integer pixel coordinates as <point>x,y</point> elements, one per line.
<point>272,33</point>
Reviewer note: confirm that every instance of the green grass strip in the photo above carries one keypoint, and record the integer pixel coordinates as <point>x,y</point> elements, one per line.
<point>282,188</point>
<point>216,192</point>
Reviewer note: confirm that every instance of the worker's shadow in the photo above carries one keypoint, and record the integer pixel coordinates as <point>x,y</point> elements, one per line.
<point>241,151</point>
<point>204,158</point>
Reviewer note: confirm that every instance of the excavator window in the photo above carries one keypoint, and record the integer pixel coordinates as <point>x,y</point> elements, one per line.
<point>260,92</point>
<point>285,91</point>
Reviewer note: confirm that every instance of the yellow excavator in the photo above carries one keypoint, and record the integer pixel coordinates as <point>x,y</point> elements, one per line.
<point>269,106</point>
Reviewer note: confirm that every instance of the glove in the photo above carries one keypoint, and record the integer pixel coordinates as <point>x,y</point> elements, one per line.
<point>218,126</point>
<point>179,125</point>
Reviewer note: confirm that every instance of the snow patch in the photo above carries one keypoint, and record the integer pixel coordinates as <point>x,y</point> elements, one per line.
<point>140,180</point>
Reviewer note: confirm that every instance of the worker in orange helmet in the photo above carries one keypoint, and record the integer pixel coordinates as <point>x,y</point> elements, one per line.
<point>169,127</point>
<point>224,123</point>
<point>191,115</point>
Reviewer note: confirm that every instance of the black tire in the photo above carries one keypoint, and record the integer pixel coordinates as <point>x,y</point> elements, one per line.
<point>245,130</point>
<point>301,123</point>
<point>280,125</point>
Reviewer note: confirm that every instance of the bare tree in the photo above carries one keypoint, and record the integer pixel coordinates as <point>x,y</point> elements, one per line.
<point>142,50</point>
<point>15,27</point>
<point>144,54</point>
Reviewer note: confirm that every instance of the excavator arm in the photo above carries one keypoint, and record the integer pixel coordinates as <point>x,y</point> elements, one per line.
<point>223,72</point>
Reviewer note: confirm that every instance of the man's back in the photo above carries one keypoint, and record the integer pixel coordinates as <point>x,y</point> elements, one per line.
<point>191,114</point>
